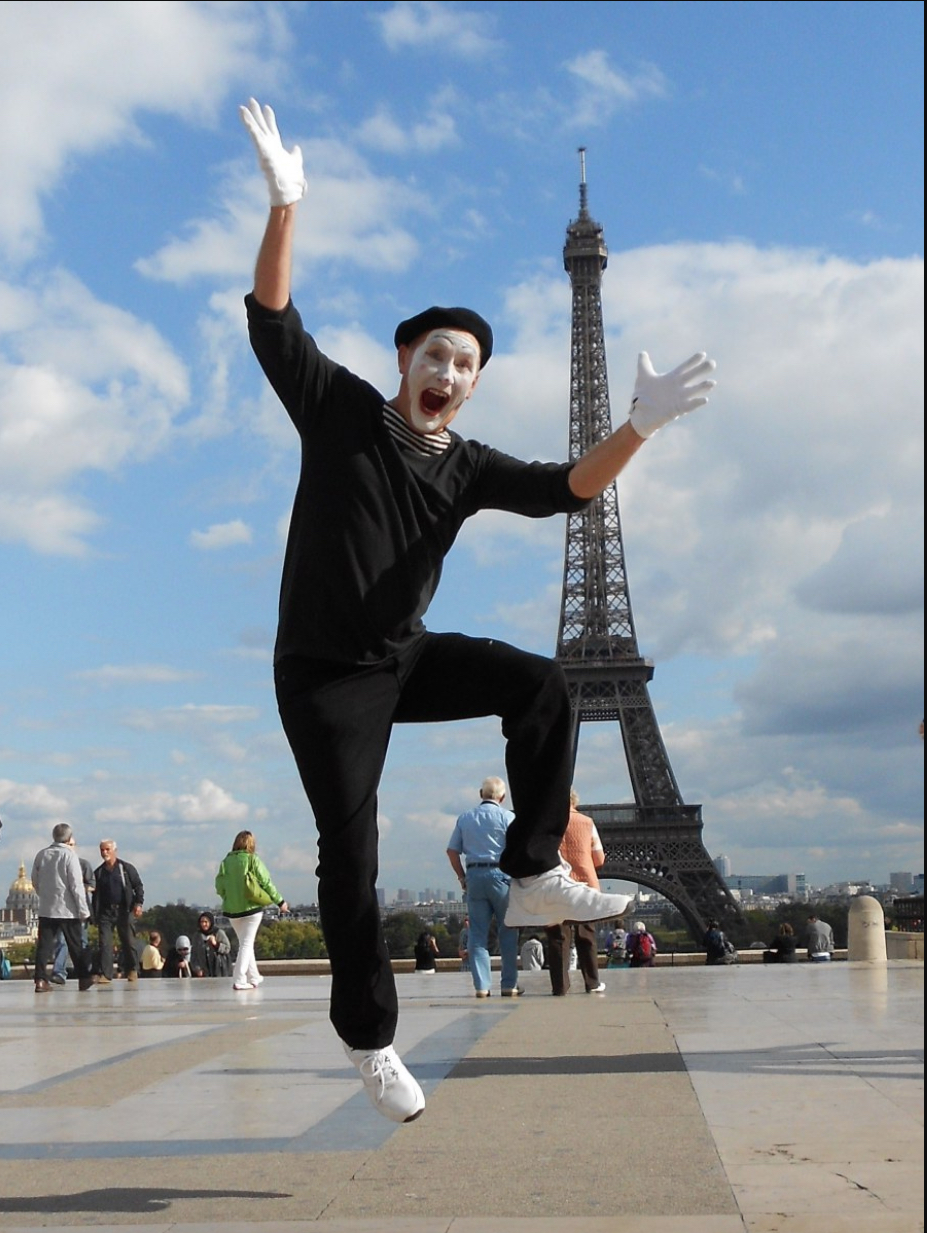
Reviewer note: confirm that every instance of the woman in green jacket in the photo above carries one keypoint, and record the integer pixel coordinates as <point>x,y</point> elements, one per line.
<point>245,888</point>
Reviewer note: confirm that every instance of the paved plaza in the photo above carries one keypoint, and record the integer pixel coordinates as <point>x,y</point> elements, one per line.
<point>746,1099</point>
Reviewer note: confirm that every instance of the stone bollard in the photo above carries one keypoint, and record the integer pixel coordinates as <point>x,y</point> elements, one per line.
<point>866,929</point>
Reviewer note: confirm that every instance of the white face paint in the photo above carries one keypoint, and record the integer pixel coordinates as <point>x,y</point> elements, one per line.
<point>438,376</point>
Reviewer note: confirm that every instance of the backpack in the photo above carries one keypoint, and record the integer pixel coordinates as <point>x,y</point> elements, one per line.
<point>644,946</point>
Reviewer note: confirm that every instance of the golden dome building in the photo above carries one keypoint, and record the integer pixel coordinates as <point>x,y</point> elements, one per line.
<point>20,918</point>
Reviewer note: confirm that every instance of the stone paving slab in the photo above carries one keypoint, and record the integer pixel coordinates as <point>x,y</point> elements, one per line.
<point>690,1100</point>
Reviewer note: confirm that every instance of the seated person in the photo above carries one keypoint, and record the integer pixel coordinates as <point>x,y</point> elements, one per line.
<point>177,962</point>
<point>717,947</point>
<point>425,950</point>
<point>211,949</point>
<point>151,961</point>
<point>784,946</point>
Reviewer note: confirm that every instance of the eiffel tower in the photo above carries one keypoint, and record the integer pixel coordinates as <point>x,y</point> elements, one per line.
<point>657,841</point>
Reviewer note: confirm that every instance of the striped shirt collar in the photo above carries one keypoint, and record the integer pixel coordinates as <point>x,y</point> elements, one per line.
<point>403,435</point>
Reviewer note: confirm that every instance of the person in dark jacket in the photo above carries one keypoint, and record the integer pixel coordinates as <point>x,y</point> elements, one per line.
<point>426,948</point>
<point>784,946</point>
<point>177,962</point>
<point>117,902</point>
<point>211,953</point>
<point>717,948</point>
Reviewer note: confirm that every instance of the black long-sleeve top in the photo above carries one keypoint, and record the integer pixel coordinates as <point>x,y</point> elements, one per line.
<point>372,522</point>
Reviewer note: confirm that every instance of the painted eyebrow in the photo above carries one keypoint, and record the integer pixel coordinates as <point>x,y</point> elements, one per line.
<point>455,340</point>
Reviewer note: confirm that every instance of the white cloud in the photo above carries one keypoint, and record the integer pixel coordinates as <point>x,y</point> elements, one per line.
<point>426,24</point>
<point>84,386</point>
<point>134,674</point>
<point>174,58</point>
<point>222,535</point>
<point>207,804</point>
<point>31,801</point>
<point>603,89</point>
<point>383,132</point>
<point>350,214</point>
<point>866,575</point>
<point>358,351</point>
<point>812,679</point>
<point>51,525</point>
<point>869,219</point>
<point>532,380</point>
<point>296,859</point>
<point>731,180</point>
<point>191,717</point>
<point>815,426</point>
<point>810,450</point>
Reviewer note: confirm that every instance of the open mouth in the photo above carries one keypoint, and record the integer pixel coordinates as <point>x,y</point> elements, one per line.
<point>433,402</point>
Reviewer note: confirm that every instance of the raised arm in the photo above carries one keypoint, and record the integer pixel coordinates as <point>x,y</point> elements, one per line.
<point>658,399</point>
<point>286,183</point>
<point>272,272</point>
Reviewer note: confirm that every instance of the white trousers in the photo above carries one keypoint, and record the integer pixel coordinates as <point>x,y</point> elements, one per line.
<point>245,971</point>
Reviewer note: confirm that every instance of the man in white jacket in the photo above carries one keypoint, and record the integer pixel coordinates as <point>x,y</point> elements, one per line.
<point>59,883</point>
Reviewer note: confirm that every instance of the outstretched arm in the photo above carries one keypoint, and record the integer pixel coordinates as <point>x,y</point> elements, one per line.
<point>286,183</point>
<point>658,399</point>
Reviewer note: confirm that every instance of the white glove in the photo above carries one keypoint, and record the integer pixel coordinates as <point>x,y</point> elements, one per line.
<point>661,397</point>
<point>283,169</point>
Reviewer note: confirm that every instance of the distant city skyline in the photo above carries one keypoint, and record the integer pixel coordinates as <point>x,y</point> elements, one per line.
<point>903,882</point>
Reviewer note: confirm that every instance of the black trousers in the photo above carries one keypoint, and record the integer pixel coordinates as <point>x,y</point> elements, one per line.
<point>73,936</point>
<point>338,722</point>
<point>118,919</point>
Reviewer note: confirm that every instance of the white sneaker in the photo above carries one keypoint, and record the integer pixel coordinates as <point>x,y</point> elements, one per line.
<point>599,988</point>
<point>392,1090</point>
<point>553,897</point>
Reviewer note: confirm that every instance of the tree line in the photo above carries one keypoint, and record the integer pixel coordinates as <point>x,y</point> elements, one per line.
<point>287,938</point>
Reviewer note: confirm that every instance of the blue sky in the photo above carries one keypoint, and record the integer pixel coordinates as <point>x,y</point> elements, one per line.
<point>758,170</point>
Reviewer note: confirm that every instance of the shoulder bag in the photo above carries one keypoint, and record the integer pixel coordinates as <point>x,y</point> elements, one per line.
<point>254,891</point>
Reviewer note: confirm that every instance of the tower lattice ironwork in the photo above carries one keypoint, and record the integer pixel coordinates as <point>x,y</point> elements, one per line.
<point>657,841</point>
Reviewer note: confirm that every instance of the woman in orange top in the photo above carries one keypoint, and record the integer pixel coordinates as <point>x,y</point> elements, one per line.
<point>582,849</point>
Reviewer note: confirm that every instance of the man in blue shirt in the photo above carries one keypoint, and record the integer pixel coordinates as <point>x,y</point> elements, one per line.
<point>479,837</point>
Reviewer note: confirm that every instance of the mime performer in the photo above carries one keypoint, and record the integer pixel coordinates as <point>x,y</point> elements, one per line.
<point>384,488</point>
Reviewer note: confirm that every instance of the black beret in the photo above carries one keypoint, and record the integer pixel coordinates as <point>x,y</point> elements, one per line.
<point>458,318</point>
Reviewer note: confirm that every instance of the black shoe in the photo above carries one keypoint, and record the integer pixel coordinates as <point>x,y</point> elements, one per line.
<point>57,979</point>
<point>42,986</point>
<point>87,982</point>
